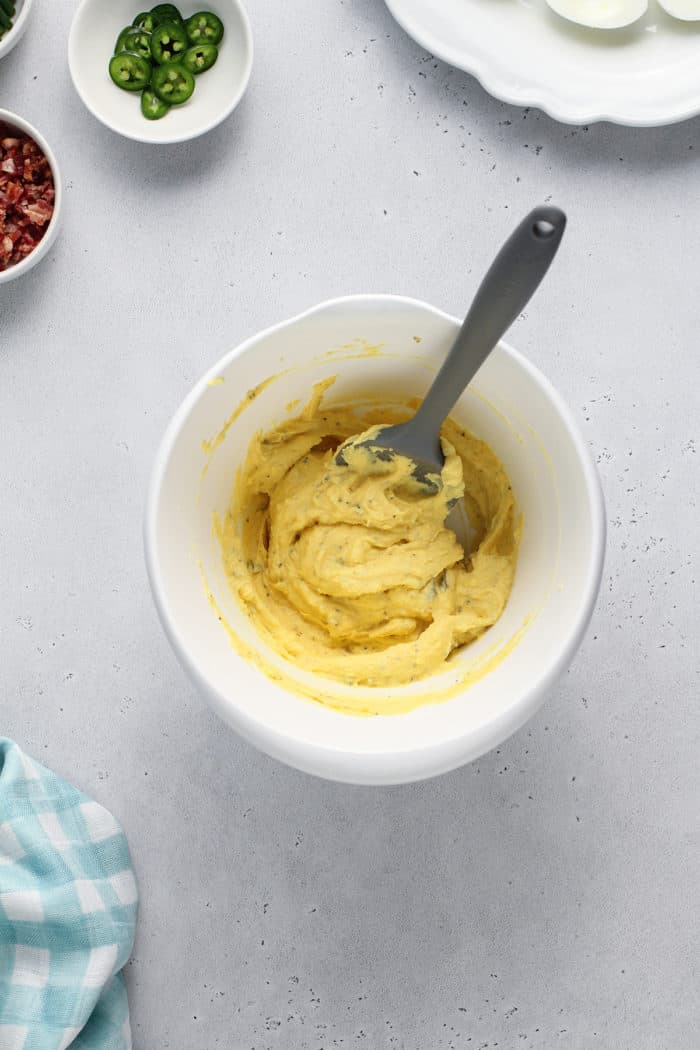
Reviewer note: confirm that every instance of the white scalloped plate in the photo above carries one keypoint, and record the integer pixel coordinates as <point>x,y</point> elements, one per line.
<point>522,53</point>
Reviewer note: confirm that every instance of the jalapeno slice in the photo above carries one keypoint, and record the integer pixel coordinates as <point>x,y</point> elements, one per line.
<point>138,42</point>
<point>119,46</point>
<point>129,71</point>
<point>8,7</point>
<point>168,42</point>
<point>145,21</point>
<point>152,107</point>
<point>166,13</point>
<point>200,57</point>
<point>172,83</point>
<point>204,28</point>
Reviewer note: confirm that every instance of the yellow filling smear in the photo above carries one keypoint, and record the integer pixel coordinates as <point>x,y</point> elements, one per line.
<point>210,445</point>
<point>350,571</point>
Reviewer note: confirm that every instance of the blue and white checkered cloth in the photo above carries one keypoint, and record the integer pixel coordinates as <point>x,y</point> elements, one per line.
<point>68,904</point>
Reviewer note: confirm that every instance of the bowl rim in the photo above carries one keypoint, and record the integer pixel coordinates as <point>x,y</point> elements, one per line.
<point>17,31</point>
<point>44,245</point>
<point>137,135</point>
<point>376,767</point>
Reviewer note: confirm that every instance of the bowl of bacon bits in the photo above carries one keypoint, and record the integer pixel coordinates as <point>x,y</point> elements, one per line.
<point>30,196</point>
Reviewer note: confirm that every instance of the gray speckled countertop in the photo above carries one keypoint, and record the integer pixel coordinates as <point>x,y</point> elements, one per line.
<point>545,896</point>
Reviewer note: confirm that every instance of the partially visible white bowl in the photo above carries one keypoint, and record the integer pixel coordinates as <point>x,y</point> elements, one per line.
<point>42,248</point>
<point>94,30</point>
<point>19,24</point>
<point>510,405</point>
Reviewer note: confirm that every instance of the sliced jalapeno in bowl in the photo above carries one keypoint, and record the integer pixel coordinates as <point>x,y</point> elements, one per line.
<point>119,46</point>
<point>166,13</point>
<point>152,107</point>
<point>138,42</point>
<point>130,71</point>
<point>168,42</point>
<point>172,83</point>
<point>204,28</point>
<point>160,54</point>
<point>200,57</point>
<point>145,21</point>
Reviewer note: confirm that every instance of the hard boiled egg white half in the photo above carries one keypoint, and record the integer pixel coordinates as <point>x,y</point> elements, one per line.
<point>608,14</point>
<point>686,10</point>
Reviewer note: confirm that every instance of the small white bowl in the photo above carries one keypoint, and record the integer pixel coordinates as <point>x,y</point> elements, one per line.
<point>94,30</point>
<point>19,24</point>
<point>44,245</point>
<point>511,406</point>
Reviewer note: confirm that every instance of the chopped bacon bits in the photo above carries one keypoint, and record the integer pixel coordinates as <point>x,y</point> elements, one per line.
<point>27,195</point>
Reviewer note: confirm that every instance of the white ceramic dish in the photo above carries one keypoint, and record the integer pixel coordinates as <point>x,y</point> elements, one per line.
<point>511,405</point>
<point>43,247</point>
<point>94,30</point>
<point>523,53</point>
<point>19,25</point>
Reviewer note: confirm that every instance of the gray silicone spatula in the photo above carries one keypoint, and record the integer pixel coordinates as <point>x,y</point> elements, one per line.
<point>507,287</point>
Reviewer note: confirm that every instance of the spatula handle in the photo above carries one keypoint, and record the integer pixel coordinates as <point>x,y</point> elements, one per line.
<point>505,290</point>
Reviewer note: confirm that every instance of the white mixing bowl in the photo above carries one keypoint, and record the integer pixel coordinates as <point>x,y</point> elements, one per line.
<point>389,347</point>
